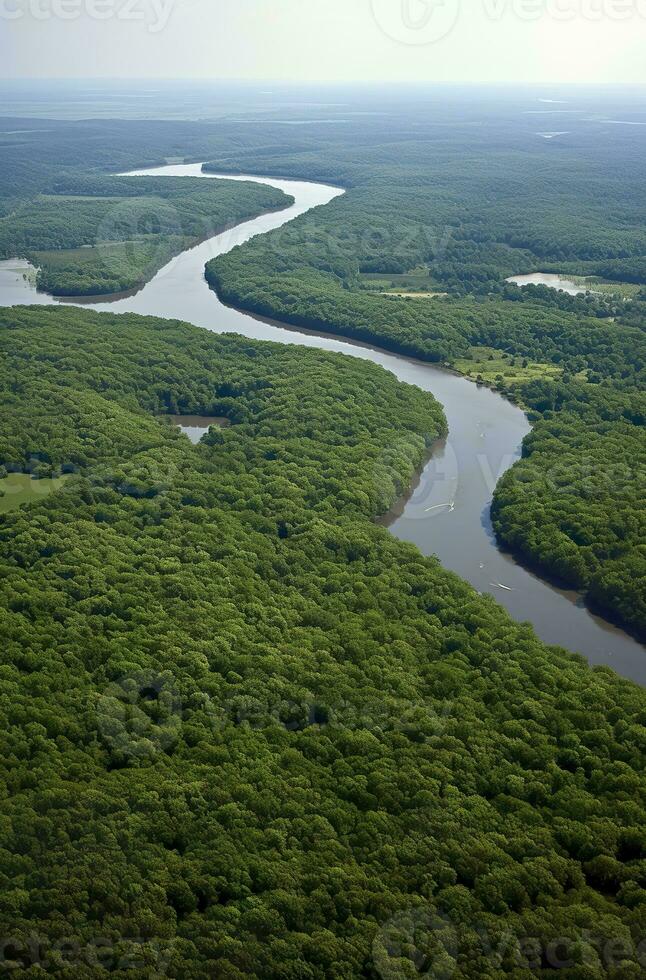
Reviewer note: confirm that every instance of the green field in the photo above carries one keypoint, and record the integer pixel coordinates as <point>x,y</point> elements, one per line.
<point>625,290</point>
<point>490,365</point>
<point>416,280</point>
<point>19,488</point>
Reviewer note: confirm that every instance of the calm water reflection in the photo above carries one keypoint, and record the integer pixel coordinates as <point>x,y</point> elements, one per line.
<point>196,426</point>
<point>551,279</point>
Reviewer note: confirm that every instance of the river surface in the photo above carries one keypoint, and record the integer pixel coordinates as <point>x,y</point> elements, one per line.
<point>448,514</point>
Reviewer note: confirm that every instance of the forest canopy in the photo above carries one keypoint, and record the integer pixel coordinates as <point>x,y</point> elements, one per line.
<point>442,197</point>
<point>96,235</point>
<point>414,257</point>
<point>250,734</point>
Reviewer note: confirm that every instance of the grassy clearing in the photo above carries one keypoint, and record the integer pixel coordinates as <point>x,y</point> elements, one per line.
<point>624,290</point>
<point>491,365</point>
<point>404,295</point>
<point>417,281</point>
<point>597,284</point>
<point>19,488</point>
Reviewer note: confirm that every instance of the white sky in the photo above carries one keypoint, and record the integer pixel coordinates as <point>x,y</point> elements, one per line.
<point>327,40</point>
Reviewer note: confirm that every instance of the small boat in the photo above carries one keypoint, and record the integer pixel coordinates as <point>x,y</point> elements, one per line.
<point>451,507</point>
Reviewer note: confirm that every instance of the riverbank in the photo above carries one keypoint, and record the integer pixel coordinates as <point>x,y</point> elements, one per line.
<point>485,436</point>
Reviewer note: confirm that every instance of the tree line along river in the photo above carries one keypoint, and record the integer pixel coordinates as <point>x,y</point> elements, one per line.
<point>447,513</point>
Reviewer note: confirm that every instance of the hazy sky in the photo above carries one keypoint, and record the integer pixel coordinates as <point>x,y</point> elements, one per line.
<point>335,40</point>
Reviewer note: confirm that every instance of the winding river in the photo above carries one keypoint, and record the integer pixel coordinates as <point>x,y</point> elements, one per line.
<point>448,513</point>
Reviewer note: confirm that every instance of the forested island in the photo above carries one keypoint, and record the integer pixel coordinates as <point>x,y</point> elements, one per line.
<point>245,727</point>
<point>91,236</point>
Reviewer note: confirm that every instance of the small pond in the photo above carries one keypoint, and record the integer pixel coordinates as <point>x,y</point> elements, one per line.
<point>196,426</point>
<point>552,279</point>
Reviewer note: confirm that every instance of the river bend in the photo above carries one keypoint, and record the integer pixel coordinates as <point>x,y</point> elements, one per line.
<point>448,514</point>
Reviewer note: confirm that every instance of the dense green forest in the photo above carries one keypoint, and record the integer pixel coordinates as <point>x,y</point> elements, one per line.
<point>430,214</point>
<point>464,195</point>
<point>484,195</point>
<point>477,198</point>
<point>35,153</point>
<point>461,193</point>
<point>97,235</point>
<point>295,276</point>
<point>575,503</point>
<point>250,734</point>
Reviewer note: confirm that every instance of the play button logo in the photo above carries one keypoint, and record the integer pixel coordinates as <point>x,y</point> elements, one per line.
<point>416,22</point>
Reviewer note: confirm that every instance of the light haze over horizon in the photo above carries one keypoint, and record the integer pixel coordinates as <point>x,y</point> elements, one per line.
<point>414,41</point>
